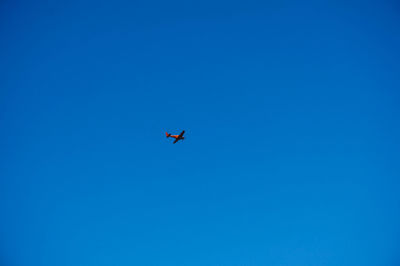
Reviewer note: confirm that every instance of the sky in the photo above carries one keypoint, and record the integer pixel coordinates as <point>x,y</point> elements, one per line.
<point>291,111</point>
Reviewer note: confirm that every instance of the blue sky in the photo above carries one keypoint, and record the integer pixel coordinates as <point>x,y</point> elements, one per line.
<point>291,152</point>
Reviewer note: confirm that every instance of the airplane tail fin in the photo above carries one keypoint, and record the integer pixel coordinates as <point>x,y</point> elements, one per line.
<point>168,135</point>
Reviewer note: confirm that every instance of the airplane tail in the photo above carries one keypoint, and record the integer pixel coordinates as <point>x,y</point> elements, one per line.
<point>168,135</point>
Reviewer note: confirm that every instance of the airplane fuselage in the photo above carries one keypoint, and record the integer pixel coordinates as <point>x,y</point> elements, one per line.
<point>176,137</point>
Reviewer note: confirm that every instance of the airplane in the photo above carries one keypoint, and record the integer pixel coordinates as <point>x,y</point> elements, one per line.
<point>176,137</point>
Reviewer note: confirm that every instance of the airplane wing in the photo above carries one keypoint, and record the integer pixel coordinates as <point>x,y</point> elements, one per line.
<point>180,135</point>
<point>176,140</point>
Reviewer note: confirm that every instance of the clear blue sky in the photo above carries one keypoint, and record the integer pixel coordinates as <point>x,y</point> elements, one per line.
<point>292,149</point>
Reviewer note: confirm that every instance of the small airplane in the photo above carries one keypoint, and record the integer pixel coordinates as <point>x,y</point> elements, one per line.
<point>176,137</point>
